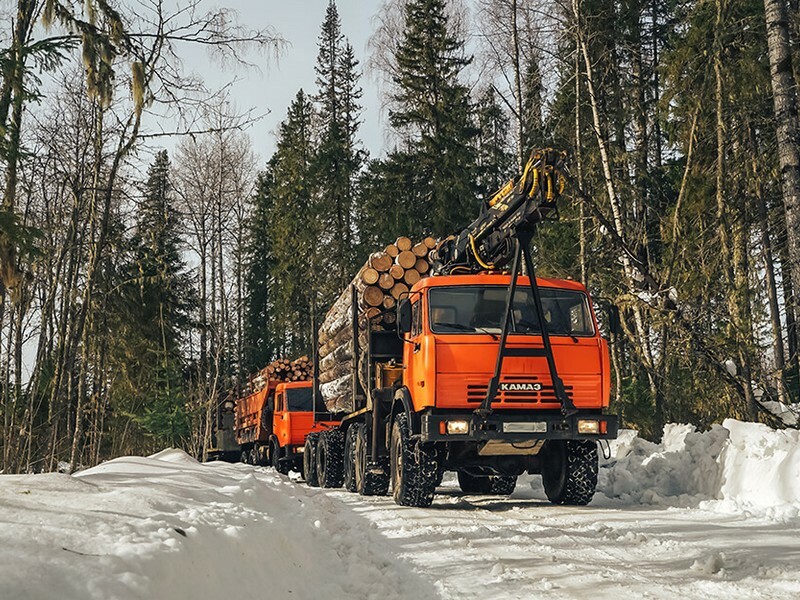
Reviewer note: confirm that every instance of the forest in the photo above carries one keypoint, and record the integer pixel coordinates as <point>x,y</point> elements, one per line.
<point>140,287</point>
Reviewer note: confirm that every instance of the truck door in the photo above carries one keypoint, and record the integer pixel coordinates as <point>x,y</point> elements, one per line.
<point>418,359</point>
<point>267,415</point>
<point>282,424</point>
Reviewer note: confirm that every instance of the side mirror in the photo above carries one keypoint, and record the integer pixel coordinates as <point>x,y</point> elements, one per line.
<point>614,324</point>
<point>404,316</point>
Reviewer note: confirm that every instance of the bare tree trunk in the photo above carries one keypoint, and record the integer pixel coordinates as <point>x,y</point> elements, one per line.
<point>786,119</point>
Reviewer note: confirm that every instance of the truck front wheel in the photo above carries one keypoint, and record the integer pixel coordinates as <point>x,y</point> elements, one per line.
<point>414,471</point>
<point>569,473</point>
<point>276,454</point>
<point>330,458</point>
<point>310,460</point>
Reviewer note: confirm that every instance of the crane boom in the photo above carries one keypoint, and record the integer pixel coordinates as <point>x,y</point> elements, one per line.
<point>488,242</point>
<point>501,235</point>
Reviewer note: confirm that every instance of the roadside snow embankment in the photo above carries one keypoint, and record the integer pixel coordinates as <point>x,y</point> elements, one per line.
<point>733,467</point>
<point>169,527</point>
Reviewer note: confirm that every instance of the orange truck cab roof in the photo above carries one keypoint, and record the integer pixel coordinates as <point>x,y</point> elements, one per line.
<point>494,278</point>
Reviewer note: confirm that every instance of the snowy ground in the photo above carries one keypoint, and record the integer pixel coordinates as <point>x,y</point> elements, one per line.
<point>713,515</point>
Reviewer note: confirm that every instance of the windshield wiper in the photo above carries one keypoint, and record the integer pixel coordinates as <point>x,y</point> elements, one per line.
<point>468,328</point>
<point>534,328</point>
<point>457,326</point>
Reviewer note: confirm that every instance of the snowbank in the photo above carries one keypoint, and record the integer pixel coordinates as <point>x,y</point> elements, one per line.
<point>733,467</point>
<point>168,527</point>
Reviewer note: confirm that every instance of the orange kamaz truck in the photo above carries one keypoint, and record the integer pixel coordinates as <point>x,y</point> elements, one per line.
<point>491,372</point>
<point>271,424</point>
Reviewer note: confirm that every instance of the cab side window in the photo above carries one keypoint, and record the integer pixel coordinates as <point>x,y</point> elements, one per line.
<point>416,318</point>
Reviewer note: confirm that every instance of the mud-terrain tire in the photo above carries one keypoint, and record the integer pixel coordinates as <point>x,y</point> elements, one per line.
<point>310,460</point>
<point>369,482</point>
<point>349,480</point>
<point>276,453</point>
<point>569,472</point>
<point>330,459</point>
<point>503,485</point>
<point>414,470</point>
<point>474,484</point>
<point>245,457</point>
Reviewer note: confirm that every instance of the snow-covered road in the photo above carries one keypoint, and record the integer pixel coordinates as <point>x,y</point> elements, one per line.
<point>667,524</point>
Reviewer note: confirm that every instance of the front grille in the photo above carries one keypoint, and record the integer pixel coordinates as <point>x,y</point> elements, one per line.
<point>476,392</point>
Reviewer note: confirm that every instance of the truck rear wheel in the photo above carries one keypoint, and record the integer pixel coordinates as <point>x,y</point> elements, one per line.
<point>569,473</point>
<point>310,460</point>
<point>350,459</point>
<point>370,481</point>
<point>414,471</point>
<point>330,459</point>
<point>275,454</point>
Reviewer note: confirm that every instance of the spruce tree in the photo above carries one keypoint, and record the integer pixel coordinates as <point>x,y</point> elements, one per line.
<point>495,161</point>
<point>260,343</point>
<point>150,313</point>
<point>338,158</point>
<point>432,111</point>
<point>295,230</point>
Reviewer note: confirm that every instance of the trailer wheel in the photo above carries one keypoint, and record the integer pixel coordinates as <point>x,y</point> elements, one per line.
<point>474,484</point>
<point>350,459</point>
<point>310,460</point>
<point>569,472</point>
<point>414,470</point>
<point>369,482</point>
<point>275,454</point>
<point>330,459</point>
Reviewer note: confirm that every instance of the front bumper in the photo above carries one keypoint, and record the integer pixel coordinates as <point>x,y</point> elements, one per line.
<point>515,427</point>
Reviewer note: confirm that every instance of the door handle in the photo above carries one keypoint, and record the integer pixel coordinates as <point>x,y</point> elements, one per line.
<point>416,347</point>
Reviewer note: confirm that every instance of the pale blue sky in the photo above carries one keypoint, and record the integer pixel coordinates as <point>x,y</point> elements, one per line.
<point>272,89</point>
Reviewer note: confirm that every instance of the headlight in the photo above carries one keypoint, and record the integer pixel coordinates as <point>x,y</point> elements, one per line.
<point>586,426</point>
<point>457,427</point>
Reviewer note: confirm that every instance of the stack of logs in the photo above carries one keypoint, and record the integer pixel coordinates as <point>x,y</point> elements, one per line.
<point>382,281</point>
<point>283,370</point>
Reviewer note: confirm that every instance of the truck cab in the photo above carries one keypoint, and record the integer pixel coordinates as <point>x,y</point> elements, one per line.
<point>451,327</point>
<point>293,418</point>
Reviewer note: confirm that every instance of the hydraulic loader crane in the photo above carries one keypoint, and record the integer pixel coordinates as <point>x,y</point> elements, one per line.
<point>503,234</point>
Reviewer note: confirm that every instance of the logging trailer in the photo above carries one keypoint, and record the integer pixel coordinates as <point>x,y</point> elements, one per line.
<point>489,373</point>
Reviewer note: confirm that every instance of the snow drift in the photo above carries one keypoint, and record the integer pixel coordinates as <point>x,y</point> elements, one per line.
<point>735,466</point>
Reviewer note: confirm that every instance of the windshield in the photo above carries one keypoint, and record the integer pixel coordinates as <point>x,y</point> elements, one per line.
<point>299,399</point>
<point>479,309</point>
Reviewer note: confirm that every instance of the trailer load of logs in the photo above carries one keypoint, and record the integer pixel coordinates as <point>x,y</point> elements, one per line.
<point>386,277</point>
<point>282,370</point>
